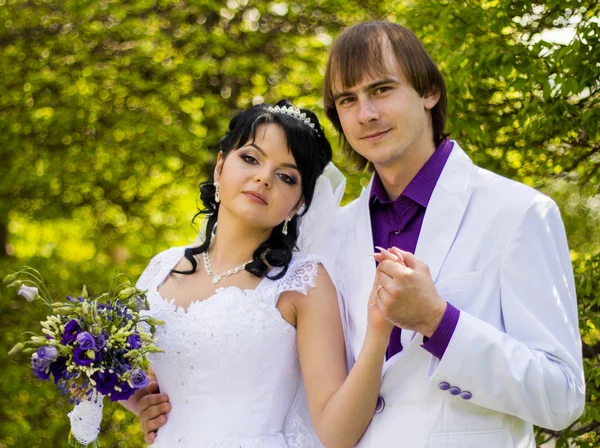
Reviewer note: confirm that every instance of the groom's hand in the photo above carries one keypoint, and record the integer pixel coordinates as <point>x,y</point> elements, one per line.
<point>153,409</point>
<point>408,298</point>
<point>375,318</point>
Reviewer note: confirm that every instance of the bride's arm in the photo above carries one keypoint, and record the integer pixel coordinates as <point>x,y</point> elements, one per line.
<point>341,406</point>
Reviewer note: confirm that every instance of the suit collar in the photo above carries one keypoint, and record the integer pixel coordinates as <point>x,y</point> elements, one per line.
<point>445,211</point>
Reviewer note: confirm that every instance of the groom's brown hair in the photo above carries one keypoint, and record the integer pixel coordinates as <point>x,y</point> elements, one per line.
<point>358,53</point>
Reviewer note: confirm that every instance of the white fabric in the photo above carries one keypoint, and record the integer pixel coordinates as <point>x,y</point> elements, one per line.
<point>317,233</point>
<point>86,418</point>
<point>497,251</point>
<point>230,366</point>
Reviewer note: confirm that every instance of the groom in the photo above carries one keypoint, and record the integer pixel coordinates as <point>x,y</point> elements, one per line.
<point>486,340</point>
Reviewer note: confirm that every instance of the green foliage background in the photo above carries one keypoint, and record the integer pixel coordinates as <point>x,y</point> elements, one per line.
<point>110,112</point>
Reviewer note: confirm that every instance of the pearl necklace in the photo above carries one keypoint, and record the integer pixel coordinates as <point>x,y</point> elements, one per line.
<point>216,278</point>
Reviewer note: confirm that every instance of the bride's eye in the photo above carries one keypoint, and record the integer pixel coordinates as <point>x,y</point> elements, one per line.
<point>287,179</point>
<point>248,159</point>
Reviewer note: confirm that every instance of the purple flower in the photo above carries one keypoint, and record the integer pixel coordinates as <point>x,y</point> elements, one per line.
<point>139,379</point>
<point>59,369</point>
<point>86,341</point>
<point>42,374</point>
<point>72,329</point>
<point>81,358</point>
<point>126,392</point>
<point>105,381</point>
<point>134,341</point>
<point>43,361</point>
<point>47,353</point>
<point>40,367</point>
<point>123,367</point>
<point>101,340</point>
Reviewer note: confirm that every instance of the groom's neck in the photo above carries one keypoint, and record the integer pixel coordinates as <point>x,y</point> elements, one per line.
<point>398,173</point>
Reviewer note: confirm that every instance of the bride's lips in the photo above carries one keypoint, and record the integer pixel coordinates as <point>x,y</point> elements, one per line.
<point>255,197</point>
<point>375,135</point>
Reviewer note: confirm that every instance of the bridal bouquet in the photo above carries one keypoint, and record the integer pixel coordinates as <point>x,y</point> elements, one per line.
<point>92,348</point>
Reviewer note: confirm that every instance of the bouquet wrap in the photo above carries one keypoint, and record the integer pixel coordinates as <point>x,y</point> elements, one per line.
<point>85,421</point>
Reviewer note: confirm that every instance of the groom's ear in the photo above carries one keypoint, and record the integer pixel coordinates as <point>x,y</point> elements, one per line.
<point>431,98</point>
<point>218,167</point>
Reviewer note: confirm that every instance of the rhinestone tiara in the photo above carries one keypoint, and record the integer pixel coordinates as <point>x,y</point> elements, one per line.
<point>292,111</point>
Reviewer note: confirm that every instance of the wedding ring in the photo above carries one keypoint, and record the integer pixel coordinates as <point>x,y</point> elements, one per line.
<point>378,288</point>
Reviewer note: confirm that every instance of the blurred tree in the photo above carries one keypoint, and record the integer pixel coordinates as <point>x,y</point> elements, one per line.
<point>104,104</point>
<point>110,112</point>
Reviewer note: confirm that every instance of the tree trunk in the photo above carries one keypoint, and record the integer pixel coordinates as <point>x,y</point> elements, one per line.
<point>3,236</point>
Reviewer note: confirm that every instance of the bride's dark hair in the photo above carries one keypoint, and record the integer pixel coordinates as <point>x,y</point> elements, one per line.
<point>311,151</point>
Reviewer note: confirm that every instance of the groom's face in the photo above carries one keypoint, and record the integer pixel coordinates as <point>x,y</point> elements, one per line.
<point>383,117</point>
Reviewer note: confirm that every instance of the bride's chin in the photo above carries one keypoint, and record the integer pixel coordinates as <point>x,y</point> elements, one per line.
<point>251,218</point>
<point>252,222</point>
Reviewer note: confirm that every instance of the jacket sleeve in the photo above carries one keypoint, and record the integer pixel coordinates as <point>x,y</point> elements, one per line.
<point>533,369</point>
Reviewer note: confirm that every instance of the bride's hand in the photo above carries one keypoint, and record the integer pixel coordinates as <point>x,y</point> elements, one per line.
<point>375,318</point>
<point>153,409</point>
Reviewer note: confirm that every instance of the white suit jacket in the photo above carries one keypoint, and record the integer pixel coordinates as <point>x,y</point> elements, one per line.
<point>497,251</point>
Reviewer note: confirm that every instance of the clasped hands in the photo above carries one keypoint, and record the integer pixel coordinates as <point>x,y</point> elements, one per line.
<point>404,294</point>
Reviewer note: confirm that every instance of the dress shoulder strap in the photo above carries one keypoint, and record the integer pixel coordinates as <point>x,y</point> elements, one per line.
<point>300,276</point>
<point>158,268</point>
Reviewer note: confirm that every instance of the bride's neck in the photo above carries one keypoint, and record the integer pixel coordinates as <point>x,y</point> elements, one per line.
<point>234,242</point>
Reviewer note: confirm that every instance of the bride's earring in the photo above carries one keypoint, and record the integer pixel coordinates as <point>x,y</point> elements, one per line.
<point>285,225</point>
<point>217,197</point>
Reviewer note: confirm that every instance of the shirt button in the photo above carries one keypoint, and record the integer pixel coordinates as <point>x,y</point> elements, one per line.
<point>454,390</point>
<point>380,405</point>
<point>466,395</point>
<point>444,386</point>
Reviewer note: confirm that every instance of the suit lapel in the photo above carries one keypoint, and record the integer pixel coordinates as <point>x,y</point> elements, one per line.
<point>360,267</point>
<point>445,211</point>
<point>443,216</point>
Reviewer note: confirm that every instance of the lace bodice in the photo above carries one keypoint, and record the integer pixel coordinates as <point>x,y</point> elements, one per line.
<point>230,363</point>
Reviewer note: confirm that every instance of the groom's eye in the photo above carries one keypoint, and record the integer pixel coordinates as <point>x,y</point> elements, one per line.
<point>382,89</point>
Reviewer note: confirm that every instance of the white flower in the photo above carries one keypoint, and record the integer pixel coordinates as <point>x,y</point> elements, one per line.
<point>29,292</point>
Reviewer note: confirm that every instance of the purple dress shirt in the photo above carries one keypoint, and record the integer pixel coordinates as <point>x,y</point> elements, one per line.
<point>398,223</point>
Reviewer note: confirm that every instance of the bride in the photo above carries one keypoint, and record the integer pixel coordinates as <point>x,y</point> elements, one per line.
<point>253,329</point>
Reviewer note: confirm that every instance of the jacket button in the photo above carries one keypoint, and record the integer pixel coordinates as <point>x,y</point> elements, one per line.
<point>444,386</point>
<point>380,405</point>
<point>454,390</point>
<point>466,395</point>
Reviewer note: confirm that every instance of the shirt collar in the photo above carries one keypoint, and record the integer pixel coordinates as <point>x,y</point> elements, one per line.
<point>422,185</point>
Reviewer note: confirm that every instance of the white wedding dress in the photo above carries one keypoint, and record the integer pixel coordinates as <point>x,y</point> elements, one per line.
<point>230,363</point>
